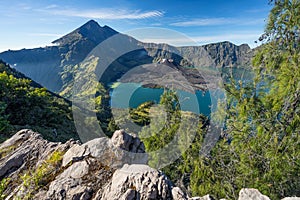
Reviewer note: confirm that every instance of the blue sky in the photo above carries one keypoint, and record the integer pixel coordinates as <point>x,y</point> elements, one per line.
<point>31,23</point>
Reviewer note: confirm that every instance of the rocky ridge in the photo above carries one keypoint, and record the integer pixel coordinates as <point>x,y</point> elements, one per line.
<point>33,168</point>
<point>54,66</point>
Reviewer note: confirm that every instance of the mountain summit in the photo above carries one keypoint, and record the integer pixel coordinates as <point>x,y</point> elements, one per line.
<point>89,31</point>
<point>50,66</point>
<point>53,66</point>
<point>76,45</point>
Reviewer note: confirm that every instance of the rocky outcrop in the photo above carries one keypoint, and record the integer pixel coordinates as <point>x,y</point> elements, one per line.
<point>226,54</point>
<point>94,170</point>
<point>252,194</point>
<point>24,150</point>
<point>139,182</point>
<point>221,54</point>
<point>101,169</point>
<point>115,152</point>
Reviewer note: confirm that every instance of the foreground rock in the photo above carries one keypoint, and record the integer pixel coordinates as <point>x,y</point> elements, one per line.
<point>140,182</point>
<point>252,194</point>
<point>94,170</point>
<point>24,151</point>
<point>107,169</point>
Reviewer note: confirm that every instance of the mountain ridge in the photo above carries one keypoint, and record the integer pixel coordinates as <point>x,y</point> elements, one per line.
<point>53,66</point>
<point>49,66</point>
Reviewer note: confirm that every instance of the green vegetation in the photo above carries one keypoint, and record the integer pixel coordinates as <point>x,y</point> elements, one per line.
<point>7,150</point>
<point>160,134</point>
<point>262,143</point>
<point>3,185</point>
<point>115,85</point>
<point>103,110</point>
<point>34,179</point>
<point>25,105</point>
<point>141,115</point>
<point>169,124</point>
<point>4,123</point>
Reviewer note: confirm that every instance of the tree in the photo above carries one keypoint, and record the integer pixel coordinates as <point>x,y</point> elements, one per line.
<point>4,123</point>
<point>262,118</point>
<point>165,123</point>
<point>141,115</point>
<point>23,103</point>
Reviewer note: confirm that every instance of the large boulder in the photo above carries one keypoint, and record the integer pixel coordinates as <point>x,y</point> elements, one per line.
<point>140,182</point>
<point>251,194</point>
<point>121,149</point>
<point>90,166</point>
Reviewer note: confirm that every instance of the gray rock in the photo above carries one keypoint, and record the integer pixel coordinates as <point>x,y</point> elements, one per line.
<point>121,149</point>
<point>60,188</point>
<point>94,170</point>
<point>206,197</point>
<point>251,194</point>
<point>124,141</point>
<point>76,171</point>
<point>226,54</point>
<point>14,161</point>
<point>178,194</point>
<point>127,142</point>
<point>80,180</point>
<point>27,146</point>
<point>291,198</point>
<point>80,193</point>
<point>147,182</point>
<point>74,154</point>
<point>25,151</point>
<point>19,137</point>
<point>91,165</point>
<point>130,194</point>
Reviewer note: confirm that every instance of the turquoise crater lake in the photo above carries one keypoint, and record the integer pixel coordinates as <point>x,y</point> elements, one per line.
<point>131,95</point>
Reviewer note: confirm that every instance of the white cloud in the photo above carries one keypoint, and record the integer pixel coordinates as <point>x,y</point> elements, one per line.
<point>52,6</point>
<point>203,22</point>
<point>237,38</point>
<point>217,21</point>
<point>106,13</point>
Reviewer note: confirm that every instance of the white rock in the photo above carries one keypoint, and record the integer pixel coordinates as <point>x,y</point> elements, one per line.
<point>251,194</point>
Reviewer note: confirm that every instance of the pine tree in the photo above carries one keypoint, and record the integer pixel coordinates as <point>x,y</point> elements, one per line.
<point>4,123</point>
<point>262,119</point>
